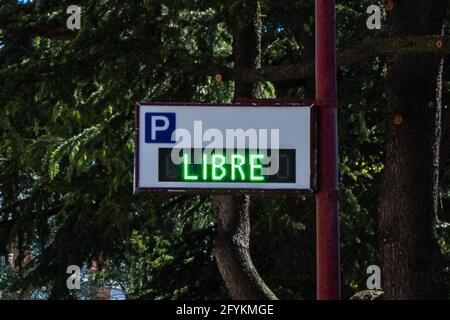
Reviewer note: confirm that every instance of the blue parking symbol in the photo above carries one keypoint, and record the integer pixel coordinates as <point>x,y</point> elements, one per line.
<point>159,127</point>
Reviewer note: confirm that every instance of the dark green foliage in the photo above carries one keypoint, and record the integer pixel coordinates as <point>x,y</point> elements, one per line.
<point>66,148</point>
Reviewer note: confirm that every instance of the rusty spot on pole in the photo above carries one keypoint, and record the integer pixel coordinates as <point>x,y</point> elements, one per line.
<point>398,119</point>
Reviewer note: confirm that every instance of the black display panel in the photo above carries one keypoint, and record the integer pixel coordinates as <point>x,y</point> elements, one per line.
<point>236,166</point>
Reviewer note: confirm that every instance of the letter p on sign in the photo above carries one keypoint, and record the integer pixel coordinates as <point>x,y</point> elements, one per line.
<point>159,127</point>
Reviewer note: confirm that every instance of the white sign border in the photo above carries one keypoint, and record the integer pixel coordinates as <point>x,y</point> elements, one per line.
<point>246,103</point>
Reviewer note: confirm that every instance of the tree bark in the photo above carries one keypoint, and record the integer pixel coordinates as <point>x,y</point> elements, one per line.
<point>408,196</point>
<point>444,166</point>
<point>232,246</point>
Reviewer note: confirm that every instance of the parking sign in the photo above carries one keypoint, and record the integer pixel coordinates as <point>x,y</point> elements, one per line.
<point>224,148</point>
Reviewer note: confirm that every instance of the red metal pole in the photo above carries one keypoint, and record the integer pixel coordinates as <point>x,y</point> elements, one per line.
<point>327,202</point>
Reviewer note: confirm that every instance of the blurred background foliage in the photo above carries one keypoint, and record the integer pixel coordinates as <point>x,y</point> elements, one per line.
<point>67,143</point>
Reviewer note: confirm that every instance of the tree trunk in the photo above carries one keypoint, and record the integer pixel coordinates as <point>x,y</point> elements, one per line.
<point>408,197</point>
<point>232,246</point>
<point>444,166</point>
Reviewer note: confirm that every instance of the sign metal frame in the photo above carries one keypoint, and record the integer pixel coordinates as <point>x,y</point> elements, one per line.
<point>241,103</point>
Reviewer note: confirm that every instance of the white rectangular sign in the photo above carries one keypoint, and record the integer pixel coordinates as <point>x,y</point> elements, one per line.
<point>224,148</point>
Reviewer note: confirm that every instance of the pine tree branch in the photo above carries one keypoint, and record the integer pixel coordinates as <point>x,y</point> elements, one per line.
<point>42,30</point>
<point>367,49</point>
<point>50,33</point>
